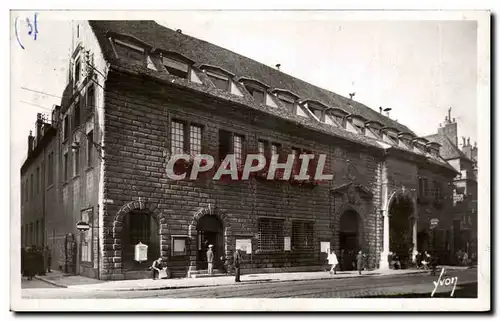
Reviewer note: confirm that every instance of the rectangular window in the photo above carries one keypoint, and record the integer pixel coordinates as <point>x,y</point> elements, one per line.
<point>50,169</point>
<point>176,68</point>
<point>76,114</point>
<point>140,228</point>
<point>127,50</point>
<point>38,180</point>
<point>220,81</point>
<point>302,235</point>
<point>238,150</point>
<point>177,137</point>
<point>66,127</point>
<point>275,149</point>
<point>195,139</point>
<point>296,161</point>
<point>261,146</point>
<point>90,98</point>
<point>76,162</point>
<point>271,236</point>
<point>65,166</point>
<point>77,71</point>
<point>90,148</point>
<point>224,144</point>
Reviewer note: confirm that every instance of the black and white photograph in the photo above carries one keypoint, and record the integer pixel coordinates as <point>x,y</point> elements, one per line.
<point>176,157</point>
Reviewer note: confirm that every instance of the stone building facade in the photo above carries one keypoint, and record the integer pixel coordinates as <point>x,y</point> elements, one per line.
<point>158,92</point>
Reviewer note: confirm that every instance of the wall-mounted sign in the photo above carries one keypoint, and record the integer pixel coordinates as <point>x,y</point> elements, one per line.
<point>82,226</point>
<point>179,245</point>
<point>325,247</point>
<point>287,243</point>
<point>434,222</point>
<point>141,252</point>
<point>244,245</point>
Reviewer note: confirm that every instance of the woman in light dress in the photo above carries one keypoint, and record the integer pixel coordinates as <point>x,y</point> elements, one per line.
<point>333,261</point>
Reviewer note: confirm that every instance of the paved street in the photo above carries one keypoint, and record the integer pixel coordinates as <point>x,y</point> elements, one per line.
<point>364,286</point>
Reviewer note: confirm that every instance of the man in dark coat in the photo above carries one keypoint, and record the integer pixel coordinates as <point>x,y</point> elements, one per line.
<point>237,262</point>
<point>359,259</point>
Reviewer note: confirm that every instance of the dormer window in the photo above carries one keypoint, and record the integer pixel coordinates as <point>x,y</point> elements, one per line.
<point>288,102</point>
<point>317,109</point>
<point>337,115</point>
<point>359,123</point>
<point>391,136</point>
<point>220,81</point>
<point>129,51</point>
<point>374,129</point>
<point>405,140</point>
<point>176,67</point>
<point>256,89</point>
<point>286,98</point>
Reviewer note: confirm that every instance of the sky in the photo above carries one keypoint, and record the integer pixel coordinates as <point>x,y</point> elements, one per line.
<point>417,68</point>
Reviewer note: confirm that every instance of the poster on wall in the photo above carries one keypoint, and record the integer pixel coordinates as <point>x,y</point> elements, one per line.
<point>288,243</point>
<point>244,245</point>
<point>179,246</point>
<point>325,247</point>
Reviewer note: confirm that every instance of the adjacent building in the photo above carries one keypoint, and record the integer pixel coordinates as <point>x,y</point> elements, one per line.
<point>464,160</point>
<point>139,93</point>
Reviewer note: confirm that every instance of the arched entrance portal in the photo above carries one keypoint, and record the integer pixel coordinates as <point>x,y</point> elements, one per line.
<point>210,230</point>
<point>400,228</point>
<point>139,226</point>
<point>349,239</point>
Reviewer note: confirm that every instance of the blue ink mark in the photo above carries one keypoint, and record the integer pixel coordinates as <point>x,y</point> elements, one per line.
<point>36,25</point>
<point>17,35</point>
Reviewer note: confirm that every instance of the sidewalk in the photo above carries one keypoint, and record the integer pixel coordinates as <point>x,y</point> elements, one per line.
<point>77,282</point>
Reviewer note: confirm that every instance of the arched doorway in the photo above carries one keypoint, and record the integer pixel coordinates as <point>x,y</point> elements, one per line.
<point>210,230</point>
<point>401,229</point>
<point>349,239</point>
<point>139,226</point>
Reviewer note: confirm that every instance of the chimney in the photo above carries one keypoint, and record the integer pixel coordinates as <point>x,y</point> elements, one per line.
<point>468,141</point>
<point>30,142</point>
<point>464,144</point>
<point>449,129</point>
<point>380,109</point>
<point>39,123</point>
<point>278,66</point>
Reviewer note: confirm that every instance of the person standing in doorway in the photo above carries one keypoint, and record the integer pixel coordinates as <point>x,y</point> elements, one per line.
<point>332,259</point>
<point>237,262</point>
<point>210,259</point>
<point>359,261</point>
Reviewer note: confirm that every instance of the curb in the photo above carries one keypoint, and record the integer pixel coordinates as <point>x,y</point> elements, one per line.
<point>166,287</point>
<point>173,287</point>
<point>59,285</point>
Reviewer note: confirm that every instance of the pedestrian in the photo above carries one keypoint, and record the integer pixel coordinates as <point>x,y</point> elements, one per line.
<point>426,259</point>
<point>465,259</point>
<point>333,261</point>
<point>359,259</point>
<point>47,259</point>
<point>210,259</point>
<point>156,267</point>
<point>237,262</point>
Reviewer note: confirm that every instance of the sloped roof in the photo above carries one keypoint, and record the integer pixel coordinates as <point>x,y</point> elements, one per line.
<point>448,149</point>
<point>204,52</point>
